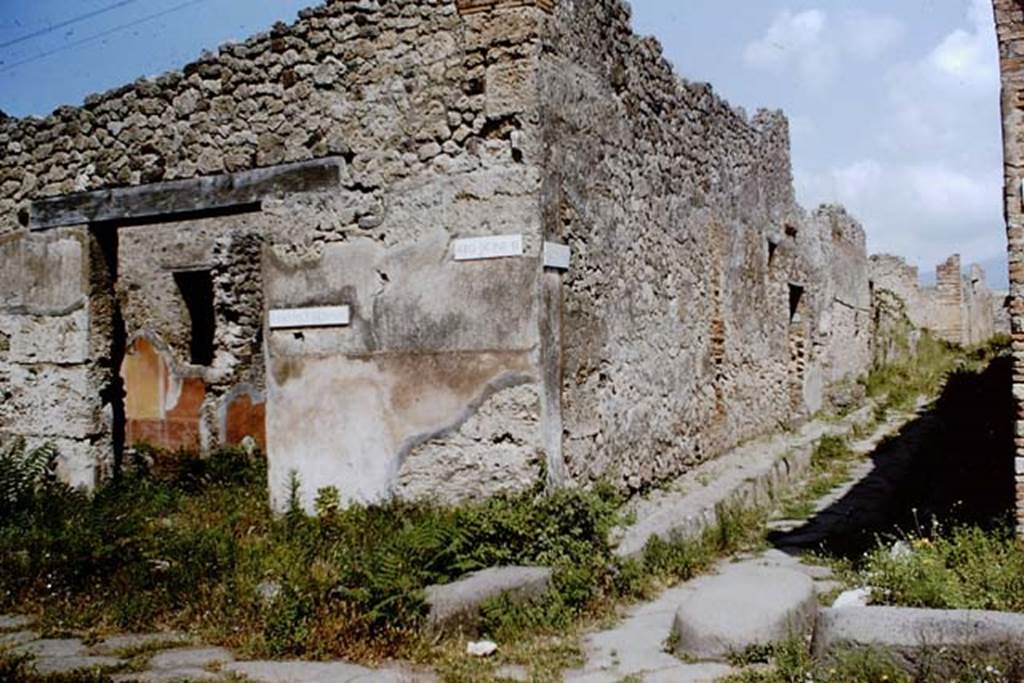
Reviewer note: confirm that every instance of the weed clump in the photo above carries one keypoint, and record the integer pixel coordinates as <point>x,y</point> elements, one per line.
<point>967,567</point>
<point>192,544</point>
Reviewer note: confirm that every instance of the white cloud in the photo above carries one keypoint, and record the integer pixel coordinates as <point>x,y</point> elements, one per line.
<point>815,47</point>
<point>868,36</point>
<point>930,182</point>
<point>950,95</point>
<point>921,211</point>
<point>795,41</point>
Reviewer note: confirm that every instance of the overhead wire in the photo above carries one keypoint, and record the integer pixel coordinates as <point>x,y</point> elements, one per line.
<point>84,41</point>
<point>68,22</point>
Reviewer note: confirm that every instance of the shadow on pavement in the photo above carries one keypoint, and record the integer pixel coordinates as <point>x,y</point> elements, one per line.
<point>953,464</point>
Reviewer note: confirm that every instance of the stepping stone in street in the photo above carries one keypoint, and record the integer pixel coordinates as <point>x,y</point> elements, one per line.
<point>747,604</point>
<point>191,658</point>
<point>298,671</point>
<point>15,622</point>
<point>138,641</point>
<point>457,605</point>
<point>53,647</point>
<point>168,676</point>
<point>63,665</point>
<point>15,638</point>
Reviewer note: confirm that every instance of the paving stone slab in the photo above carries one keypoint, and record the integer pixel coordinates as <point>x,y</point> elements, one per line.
<point>752,474</point>
<point>168,676</point>
<point>322,672</point>
<point>61,665</point>
<point>53,647</point>
<point>14,622</point>
<point>456,605</point>
<point>907,630</point>
<point>747,604</point>
<point>133,641</point>
<point>190,657</point>
<point>703,672</point>
<point>17,638</point>
<point>297,671</point>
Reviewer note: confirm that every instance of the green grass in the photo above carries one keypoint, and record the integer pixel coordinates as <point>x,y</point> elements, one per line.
<point>896,386</point>
<point>831,462</point>
<point>189,549</point>
<point>966,567</point>
<point>790,662</point>
<point>189,545</point>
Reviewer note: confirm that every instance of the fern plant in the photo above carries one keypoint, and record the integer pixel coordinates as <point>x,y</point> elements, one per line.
<point>22,471</point>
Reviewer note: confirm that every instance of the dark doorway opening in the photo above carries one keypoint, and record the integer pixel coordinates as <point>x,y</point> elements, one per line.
<point>196,288</point>
<point>104,290</point>
<point>796,295</point>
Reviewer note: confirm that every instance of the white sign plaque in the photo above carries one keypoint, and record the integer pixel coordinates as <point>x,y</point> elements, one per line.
<point>320,316</point>
<point>498,246</point>
<point>556,255</point>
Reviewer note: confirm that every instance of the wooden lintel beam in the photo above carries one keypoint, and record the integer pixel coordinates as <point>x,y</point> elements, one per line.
<point>185,196</point>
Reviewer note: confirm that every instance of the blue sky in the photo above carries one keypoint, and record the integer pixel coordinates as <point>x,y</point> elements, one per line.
<point>894,104</point>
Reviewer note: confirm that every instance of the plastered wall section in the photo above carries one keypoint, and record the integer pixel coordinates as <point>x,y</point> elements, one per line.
<point>689,253</point>
<point>50,361</point>
<point>432,116</point>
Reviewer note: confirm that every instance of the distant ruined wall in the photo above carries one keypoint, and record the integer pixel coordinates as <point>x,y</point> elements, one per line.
<point>1010,30</point>
<point>946,305</point>
<point>960,308</point>
<point>704,306</point>
<point>893,274</point>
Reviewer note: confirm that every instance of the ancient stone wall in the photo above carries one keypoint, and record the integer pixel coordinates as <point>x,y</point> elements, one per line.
<point>1010,29</point>
<point>893,274</point>
<point>143,255</point>
<point>426,114</point>
<point>946,306</point>
<point>701,308</point>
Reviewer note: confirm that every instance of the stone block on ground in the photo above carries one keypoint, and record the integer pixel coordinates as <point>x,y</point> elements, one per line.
<point>320,672</point>
<point>907,630</point>
<point>129,642</point>
<point>457,605</point>
<point>15,638</point>
<point>747,604</point>
<point>64,665</point>
<point>15,622</point>
<point>190,657</point>
<point>53,647</point>
<point>168,676</point>
<point>296,671</point>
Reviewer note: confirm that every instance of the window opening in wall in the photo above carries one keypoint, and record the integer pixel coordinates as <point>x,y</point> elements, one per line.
<point>196,288</point>
<point>772,247</point>
<point>796,293</point>
<point>791,231</point>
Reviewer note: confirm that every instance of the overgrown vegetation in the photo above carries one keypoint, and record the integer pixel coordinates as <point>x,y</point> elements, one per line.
<point>191,544</point>
<point>897,385</point>
<point>966,567</point>
<point>831,462</point>
<point>22,472</point>
<point>790,662</point>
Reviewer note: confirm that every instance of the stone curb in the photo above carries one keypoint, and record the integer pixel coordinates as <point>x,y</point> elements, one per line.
<point>907,630</point>
<point>749,476</point>
<point>456,605</point>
